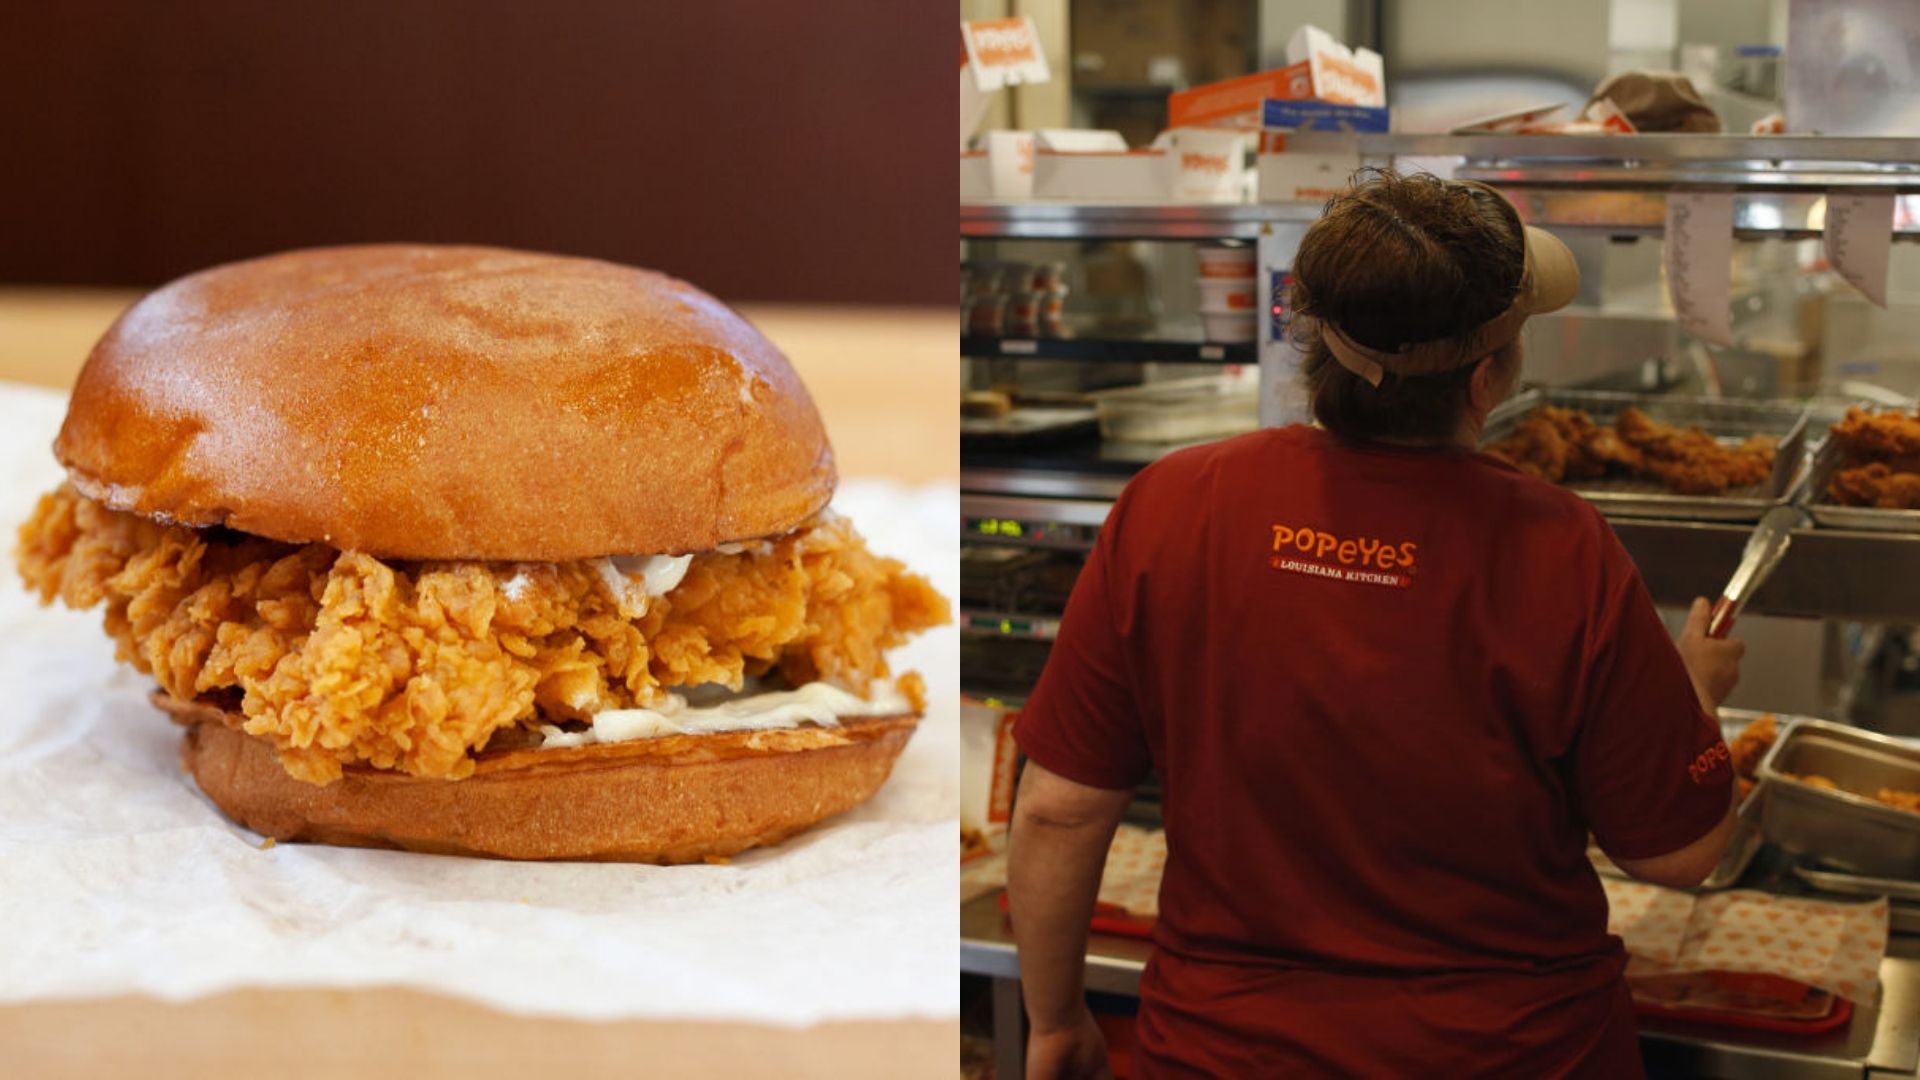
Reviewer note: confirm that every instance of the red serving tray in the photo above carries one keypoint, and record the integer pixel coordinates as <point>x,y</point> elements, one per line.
<point>1842,1013</point>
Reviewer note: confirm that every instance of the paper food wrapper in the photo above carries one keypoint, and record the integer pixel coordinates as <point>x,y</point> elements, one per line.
<point>117,876</point>
<point>1832,947</point>
<point>1135,864</point>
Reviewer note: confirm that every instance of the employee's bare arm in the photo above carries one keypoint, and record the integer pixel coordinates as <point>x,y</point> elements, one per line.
<point>1714,667</point>
<point>1061,832</point>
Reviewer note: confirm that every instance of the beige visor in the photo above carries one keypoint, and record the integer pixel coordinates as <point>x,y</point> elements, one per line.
<point>1548,283</point>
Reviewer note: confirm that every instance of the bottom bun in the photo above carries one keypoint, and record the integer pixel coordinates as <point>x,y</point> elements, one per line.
<point>677,799</point>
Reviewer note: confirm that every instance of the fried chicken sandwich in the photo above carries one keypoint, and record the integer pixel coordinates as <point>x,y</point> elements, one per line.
<point>474,551</point>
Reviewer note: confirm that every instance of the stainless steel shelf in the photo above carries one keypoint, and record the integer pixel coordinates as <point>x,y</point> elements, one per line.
<point>1071,498</point>
<point>1110,350</point>
<point>1771,216</point>
<point>1115,221</point>
<point>1874,161</point>
<point>1637,209</point>
<point>1556,179</point>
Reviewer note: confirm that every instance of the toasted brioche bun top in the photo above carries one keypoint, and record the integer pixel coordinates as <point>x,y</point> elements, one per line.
<point>428,402</point>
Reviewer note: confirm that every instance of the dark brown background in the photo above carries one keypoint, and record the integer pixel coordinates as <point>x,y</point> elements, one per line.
<point>764,150</point>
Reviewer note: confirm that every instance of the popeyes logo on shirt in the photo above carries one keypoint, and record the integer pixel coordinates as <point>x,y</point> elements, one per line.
<point>1709,762</point>
<point>1302,549</point>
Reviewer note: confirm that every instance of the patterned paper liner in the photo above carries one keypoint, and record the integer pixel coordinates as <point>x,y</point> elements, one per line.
<point>1135,864</point>
<point>1828,946</point>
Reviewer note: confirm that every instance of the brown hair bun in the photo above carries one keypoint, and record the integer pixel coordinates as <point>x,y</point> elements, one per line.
<point>431,402</point>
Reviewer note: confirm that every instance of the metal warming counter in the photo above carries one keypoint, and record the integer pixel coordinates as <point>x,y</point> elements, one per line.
<point>1880,1042</point>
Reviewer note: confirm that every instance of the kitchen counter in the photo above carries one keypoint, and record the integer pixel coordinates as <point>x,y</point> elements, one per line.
<point>1877,1042</point>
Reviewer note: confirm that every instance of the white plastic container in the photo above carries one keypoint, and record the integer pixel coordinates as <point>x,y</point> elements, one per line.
<point>1180,410</point>
<point>1221,262</point>
<point>1229,327</point>
<point>1222,296</point>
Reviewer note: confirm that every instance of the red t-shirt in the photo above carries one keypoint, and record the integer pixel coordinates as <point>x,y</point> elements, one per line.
<point>1388,693</point>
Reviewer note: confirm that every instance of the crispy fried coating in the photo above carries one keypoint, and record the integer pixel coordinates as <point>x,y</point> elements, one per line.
<point>1883,436</point>
<point>1883,455</point>
<point>1560,445</point>
<point>1875,484</point>
<point>1752,744</point>
<point>338,657</point>
<point>1894,797</point>
<point>1689,460</point>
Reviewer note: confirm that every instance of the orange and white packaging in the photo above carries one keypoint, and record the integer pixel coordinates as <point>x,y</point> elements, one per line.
<point>1334,73</point>
<point>1828,946</point>
<point>1339,74</point>
<point>1235,103</point>
<point>1209,165</point>
<point>1511,122</point>
<point>1221,263</point>
<point>1004,52</point>
<point>1000,169</point>
<point>1610,118</point>
<point>1290,176</point>
<point>987,757</point>
<point>973,100</point>
<point>996,53</point>
<point>1096,166</point>
<point>1602,117</point>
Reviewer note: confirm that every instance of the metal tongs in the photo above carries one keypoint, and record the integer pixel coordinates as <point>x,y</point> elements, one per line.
<point>1770,540</point>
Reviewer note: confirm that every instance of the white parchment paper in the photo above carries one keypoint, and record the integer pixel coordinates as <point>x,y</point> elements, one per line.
<point>117,876</point>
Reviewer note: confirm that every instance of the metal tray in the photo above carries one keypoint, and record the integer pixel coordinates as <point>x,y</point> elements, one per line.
<point>1832,515</point>
<point>1848,830</point>
<point>1864,518</point>
<point>1834,881</point>
<point>1728,419</point>
<point>1747,835</point>
<point>1903,897</point>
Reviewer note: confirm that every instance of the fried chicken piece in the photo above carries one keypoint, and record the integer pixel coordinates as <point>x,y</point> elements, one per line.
<point>1752,744</point>
<point>1536,448</point>
<point>1875,484</point>
<point>1689,460</point>
<point>1554,444</point>
<point>1560,445</point>
<point>1900,800</point>
<point>1885,436</point>
<point>338,657</point>
<point>1894,797</point>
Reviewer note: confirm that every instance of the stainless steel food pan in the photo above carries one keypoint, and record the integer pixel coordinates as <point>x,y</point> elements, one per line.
<point>1731,420</point>
<point>1845,827</point>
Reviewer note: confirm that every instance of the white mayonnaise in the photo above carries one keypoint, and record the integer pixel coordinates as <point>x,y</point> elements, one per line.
<point>817,702</point>
<point>635,580</point>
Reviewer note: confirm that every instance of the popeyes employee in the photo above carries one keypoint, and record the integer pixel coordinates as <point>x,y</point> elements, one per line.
<point>1389,685</point>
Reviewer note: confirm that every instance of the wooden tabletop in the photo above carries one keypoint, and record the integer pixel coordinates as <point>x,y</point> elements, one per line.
<point>886,379</point>
<point>886,382</point>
